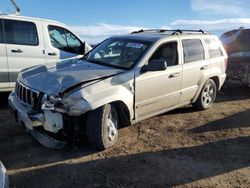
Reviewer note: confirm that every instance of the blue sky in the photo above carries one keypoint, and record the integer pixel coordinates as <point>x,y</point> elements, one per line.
<point>95,20</point>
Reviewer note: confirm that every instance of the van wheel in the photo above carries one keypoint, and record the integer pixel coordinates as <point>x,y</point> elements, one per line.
<point>207,96</point>
<point>102,127</point>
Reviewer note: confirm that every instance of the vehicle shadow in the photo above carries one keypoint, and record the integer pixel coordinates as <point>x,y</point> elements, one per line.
<point>23,151</point>
<point>4,100</point>
<point>238,120</point>
<point>149,169</point>
<point>233,92</point>
<point>183,110</point>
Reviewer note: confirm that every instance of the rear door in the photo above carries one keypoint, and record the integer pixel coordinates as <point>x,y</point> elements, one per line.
<point>216,56</point>
<point>4,75</point>
<point>24,44</point>
<point>195,68</point>
<point>61,44</point>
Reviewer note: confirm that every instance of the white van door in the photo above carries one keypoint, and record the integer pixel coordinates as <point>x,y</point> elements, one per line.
<point>24,44</point>
<point>4,71</point>
<point>61,44</point>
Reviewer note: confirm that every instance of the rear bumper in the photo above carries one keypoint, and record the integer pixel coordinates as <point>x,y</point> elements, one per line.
<point>23,114</point>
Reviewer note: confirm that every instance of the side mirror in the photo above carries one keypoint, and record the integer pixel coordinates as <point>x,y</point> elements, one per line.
<point>155,65</point>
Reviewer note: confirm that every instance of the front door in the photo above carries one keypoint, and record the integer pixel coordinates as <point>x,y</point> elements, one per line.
<point>158,91</point>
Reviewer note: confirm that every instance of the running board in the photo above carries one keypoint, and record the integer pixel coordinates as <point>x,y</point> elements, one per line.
<point>47,140</point>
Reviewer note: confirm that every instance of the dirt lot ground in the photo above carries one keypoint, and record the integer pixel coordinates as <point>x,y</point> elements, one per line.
<point>183,148</point>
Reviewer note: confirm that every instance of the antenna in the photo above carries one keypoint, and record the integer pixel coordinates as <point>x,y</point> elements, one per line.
<point>15,6</point>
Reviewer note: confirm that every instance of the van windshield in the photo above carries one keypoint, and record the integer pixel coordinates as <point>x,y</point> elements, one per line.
<point>118,52</point>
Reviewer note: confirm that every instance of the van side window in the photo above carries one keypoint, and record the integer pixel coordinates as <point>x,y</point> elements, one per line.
<point>213,48</point>
<point>63,39</point>
<point>167,52</point>
<point>1,31</point>
<point>193,50</point>
<point>20,32</point>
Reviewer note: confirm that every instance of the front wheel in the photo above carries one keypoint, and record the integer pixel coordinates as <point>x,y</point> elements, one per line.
<point>102,127</point>
<point>207,96</point>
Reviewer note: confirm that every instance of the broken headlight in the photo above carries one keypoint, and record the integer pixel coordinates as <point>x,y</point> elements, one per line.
<point>54,103</point>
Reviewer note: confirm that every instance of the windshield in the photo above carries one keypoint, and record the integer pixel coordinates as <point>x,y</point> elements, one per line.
<point>118,52</point>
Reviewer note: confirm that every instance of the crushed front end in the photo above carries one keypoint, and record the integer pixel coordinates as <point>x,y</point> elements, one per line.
<point>45,117</point>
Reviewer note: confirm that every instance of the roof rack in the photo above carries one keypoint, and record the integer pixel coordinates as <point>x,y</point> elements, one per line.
<point>172,32</point>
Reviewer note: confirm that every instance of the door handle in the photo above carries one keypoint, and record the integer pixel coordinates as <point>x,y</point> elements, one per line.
<point>204,67</point>
<point>174,75</point>
<point>52,53</point>
<point>16,51</point>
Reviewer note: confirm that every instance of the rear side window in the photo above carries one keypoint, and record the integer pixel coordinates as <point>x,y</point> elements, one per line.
<point>20,33</point>
<point>193,50</point>
<point>213,48</point>
<point>1,32</point>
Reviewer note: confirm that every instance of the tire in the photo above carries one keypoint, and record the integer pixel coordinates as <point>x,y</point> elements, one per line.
<point>207,96</point>
<point>102,127</point>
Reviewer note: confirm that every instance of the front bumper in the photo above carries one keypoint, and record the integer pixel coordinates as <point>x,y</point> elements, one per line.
<point>26,116</point>
<point>23,114</point>
<point>51,121</point>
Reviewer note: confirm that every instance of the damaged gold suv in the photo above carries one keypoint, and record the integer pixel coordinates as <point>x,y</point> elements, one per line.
<point>123,80</point>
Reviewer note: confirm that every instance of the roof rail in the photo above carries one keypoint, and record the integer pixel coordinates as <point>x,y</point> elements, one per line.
<point>172,32</point>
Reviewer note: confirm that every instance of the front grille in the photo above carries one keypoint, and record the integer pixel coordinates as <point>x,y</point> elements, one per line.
<point>26,95</point>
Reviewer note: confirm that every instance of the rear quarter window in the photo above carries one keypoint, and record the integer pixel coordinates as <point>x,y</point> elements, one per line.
<point>213,48</point>
<point>193,50</point>
<point>20,32</point>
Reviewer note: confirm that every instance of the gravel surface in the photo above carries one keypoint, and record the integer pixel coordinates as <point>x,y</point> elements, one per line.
<point>182,148</point>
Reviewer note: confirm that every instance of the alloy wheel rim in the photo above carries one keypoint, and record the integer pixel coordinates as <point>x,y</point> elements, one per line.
<point>112,126</point>
<point>208,95</point>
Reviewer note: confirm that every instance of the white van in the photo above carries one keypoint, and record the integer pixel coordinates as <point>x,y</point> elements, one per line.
<point>28,41</point>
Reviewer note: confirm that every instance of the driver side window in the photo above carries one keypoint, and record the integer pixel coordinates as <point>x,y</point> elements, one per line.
<point>63,39</point>
<point>167,52</point>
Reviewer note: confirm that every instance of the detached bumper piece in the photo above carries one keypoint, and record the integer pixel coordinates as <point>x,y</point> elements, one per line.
<point>47,140</point>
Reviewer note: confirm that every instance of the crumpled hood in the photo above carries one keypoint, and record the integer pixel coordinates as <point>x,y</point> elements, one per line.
<point>57,77</point>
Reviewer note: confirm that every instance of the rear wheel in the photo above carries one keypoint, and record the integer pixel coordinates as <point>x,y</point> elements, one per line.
<point>102,127</point>
<point>207,96</point>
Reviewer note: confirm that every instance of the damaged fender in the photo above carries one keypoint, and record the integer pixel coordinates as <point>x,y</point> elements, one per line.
<point>103,92</point>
